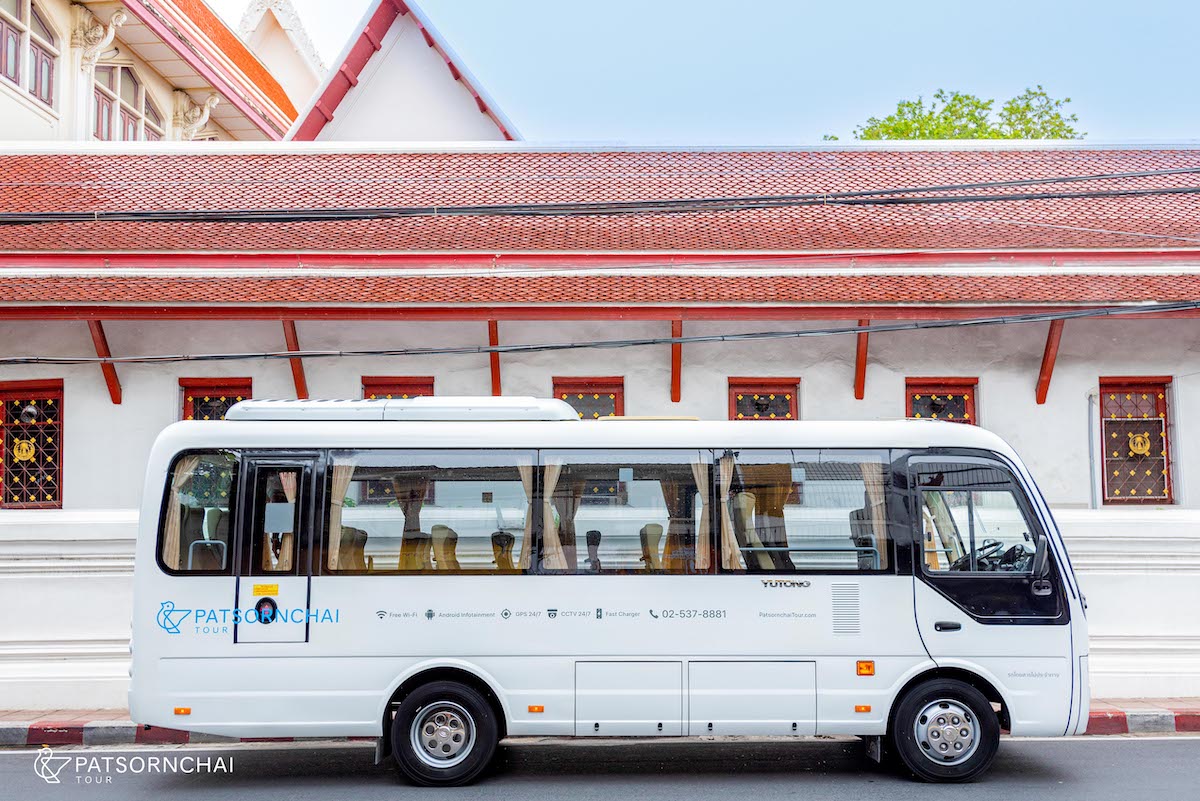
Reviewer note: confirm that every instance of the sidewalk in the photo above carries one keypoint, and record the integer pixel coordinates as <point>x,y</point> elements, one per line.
<point>113,727</point>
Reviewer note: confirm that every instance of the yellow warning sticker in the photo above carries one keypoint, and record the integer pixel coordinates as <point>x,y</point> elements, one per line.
<point>266,589</point>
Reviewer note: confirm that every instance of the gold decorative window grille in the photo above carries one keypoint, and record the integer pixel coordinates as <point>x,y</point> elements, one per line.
<point>592,398</point>
<point>764,399</point>
<point>207,399</point>
<point>31,426</point>
<point>1134,435</point>
<point>950,399</point>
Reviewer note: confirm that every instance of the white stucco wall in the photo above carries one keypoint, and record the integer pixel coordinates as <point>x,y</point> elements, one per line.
<point>22,117</point>
<point>406,93</point>
<point>1133,562</point>
<point>275,49</point>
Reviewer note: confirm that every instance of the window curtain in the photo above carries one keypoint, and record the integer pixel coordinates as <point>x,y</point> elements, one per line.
<point>676,553</point>
<point>552,551</point>
<point>342,473</point>
<point>731,556</point>
<point>288,481</point>
<point>526,471</point>
<point>184,469</point>
<point>566,502</point>
<point>703,529</point>
<point>872,474</point>
<point>410,492</point>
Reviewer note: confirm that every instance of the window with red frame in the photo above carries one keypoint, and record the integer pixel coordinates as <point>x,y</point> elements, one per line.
<point>950,399</point>
<point>764,399</point>
<point>387,387</point>
<point>31,428</point>
<point>210,398</point>
<point>1133,427</point>
<point>390,387</point>
<point>592,398</point>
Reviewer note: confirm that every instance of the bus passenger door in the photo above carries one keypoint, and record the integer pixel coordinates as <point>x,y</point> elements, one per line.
<point>275,546</point>
<point>988,592</point>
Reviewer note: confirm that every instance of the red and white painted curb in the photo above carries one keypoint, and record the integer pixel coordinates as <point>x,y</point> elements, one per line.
<point>1144,716</point>
<point>112,727</point>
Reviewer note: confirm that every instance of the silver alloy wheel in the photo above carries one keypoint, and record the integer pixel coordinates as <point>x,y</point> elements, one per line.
<point>443,734</point>
<point>946,731</point>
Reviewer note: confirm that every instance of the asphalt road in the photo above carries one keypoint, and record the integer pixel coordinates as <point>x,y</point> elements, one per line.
<point>1090,768</point>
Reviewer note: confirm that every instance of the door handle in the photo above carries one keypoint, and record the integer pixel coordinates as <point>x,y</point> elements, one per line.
<point>946,625</point>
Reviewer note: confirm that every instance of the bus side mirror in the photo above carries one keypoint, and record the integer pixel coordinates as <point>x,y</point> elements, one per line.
<point>1041,559</point>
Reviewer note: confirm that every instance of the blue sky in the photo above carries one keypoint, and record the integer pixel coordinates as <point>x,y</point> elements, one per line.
<point>780,72</point>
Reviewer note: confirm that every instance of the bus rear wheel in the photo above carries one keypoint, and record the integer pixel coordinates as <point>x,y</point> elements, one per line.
<point>945,731</point>
<point>444,734</point>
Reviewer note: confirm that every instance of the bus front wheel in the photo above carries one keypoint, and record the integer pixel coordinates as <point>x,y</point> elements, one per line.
<point>444,734</point>
<point>945,731</point>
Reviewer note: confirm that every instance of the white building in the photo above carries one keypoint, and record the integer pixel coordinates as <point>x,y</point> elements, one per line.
<point>157,70</point>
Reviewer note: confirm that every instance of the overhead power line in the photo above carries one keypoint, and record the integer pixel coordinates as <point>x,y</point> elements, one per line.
<point>902,196</point>
<point>609,344</point>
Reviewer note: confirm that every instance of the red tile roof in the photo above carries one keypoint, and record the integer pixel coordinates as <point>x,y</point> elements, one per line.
<point>298,180</point>
<point>605,290</point>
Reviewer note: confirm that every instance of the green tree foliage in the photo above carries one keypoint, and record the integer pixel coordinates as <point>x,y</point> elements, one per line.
<point>1033,114</point>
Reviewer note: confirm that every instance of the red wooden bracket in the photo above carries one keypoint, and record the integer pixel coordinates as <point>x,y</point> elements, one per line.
<point>494,357</point>
<point>860,362</point>
<point>110,371</point>
<point>293,344</point>
<point>1048,359</point>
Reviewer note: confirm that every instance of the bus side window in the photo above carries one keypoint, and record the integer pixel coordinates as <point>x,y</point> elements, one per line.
<point>194,536</point>
<point>972,521</point>
<point>626,511</point>
<point>276,516</point>
<point>430,511</point>
<point>798,511</point>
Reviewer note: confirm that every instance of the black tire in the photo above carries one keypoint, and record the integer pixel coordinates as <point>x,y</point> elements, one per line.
<point>464,712</point>
<point>934,706</point>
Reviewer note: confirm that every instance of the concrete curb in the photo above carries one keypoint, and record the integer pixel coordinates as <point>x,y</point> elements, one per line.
<point>23,730</point>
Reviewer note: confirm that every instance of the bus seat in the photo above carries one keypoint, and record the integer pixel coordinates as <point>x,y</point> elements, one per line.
<point>445,543</point>
<point>502,550</point>
<point>206,555</point>
<point>415,551</point>
<point>651,536</point>
<point>862,535</point>
<point>220,531</point>
<point>747,539</point>
<point>191,527</point>
<point>350,551</point>
<point>593,550</point>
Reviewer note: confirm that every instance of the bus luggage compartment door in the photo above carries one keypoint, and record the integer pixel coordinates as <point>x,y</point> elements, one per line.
<point>763,698</point>
<point>628,699</point>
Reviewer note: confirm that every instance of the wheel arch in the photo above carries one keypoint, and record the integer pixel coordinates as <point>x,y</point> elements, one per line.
<point>961,674</point>
<point>425,673</point>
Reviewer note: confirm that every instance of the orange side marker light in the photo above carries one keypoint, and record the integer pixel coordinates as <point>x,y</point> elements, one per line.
<point>862,707</point>
<point>865,667</point>
<point>536,708</point>
<point>183,710</point>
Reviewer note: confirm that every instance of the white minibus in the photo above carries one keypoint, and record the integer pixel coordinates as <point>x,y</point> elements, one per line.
<point>441,573</point>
